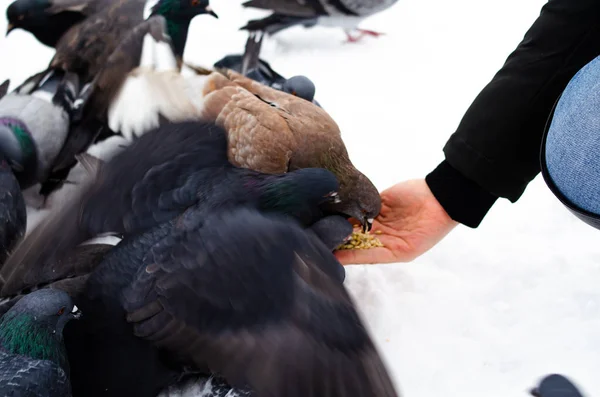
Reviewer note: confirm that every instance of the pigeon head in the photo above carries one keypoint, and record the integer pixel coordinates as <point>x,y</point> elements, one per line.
<point>182,10</point>
<point>360,199</point>
<point>300,192</point>
<point>26,14</point>
<point>33,326</point>
<point>179,14</point>
<point>19,150</point>
<point>300,86</point>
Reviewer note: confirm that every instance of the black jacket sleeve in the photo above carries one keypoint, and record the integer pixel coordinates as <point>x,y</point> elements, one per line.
<point>495,150</point>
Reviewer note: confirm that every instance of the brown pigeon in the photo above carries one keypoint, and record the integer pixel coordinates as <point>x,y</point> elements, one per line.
<point>274,132</point>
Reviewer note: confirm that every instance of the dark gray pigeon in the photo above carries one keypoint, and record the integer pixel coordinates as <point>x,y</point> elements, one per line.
<point>250,65</point>
<point>33,359</point>
<point>154,180</point>
<point>35,122</point>
<point>346,14</point>
<point>251,297</point>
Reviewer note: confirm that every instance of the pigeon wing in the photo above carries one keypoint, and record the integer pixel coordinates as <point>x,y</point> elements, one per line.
<point>147,183</point>
<point>253,299</point>
<point>35,378</point>
<point>125,58</point>
<point>85,7</point>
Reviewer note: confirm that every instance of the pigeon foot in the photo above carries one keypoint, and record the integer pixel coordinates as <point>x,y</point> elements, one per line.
<point>361,33</point>
<point>370,33</point>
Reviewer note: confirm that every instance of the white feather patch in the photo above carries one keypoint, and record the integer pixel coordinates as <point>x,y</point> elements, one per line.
<point>133,111</point>
<point>148,50</point>
<point>44,95</point>
<point>193,87</point>
<point>103,239</point>
<point>164,59</point>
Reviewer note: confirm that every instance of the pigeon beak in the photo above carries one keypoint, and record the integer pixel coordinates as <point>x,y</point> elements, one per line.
<point>10,28</point>
<point>76,313</point>
<point>210,11</point>
<point>367,224</point>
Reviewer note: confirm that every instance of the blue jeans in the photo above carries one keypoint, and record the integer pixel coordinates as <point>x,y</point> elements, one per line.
<point>573,140</point>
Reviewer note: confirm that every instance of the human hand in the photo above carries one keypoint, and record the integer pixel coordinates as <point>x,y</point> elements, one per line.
<point>410,223</point>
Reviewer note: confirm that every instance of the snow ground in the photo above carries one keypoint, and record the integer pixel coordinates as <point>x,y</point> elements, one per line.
<point>487,311</point>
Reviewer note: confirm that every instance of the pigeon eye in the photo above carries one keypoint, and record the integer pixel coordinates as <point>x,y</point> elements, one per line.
<point>194,2</point>
<point>61,311</point>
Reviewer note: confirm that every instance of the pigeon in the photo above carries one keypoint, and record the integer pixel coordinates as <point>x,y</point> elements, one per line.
<point>49,20</point>
<point>347,14</point>
<point>33,360</point>
<point>271,131</point>
<point>250,65</point>
<point>255,299</point>
<point>247,295</point>
<point>35,122</point>
<point>555,385</point>
<point>154,180</point>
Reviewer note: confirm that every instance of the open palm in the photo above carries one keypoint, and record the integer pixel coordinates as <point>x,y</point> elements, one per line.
<point>411,221</point>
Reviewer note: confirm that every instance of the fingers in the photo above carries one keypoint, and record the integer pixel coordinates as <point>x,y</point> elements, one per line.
<point>365,256</point>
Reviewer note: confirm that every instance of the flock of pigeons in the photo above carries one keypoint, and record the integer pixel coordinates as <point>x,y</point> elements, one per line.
<point>229,194</point>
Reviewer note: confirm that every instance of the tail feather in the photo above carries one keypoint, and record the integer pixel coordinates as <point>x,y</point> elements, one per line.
<point>66,92</point>
<point>4,88</point>
<point>90,163</point>
<point>251,56</point>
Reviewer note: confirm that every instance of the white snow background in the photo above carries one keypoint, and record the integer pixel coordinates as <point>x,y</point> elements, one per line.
<point>487,311</point>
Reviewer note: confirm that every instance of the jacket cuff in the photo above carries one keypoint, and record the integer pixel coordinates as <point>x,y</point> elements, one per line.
<point>464,200</point>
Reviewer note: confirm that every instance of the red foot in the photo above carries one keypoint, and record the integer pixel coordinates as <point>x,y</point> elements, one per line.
<point>362,33</point>
<point>352,39</point>
<point>370,32</point>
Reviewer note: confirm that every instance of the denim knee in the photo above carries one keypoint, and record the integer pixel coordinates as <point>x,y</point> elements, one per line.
<point>572,147</point>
